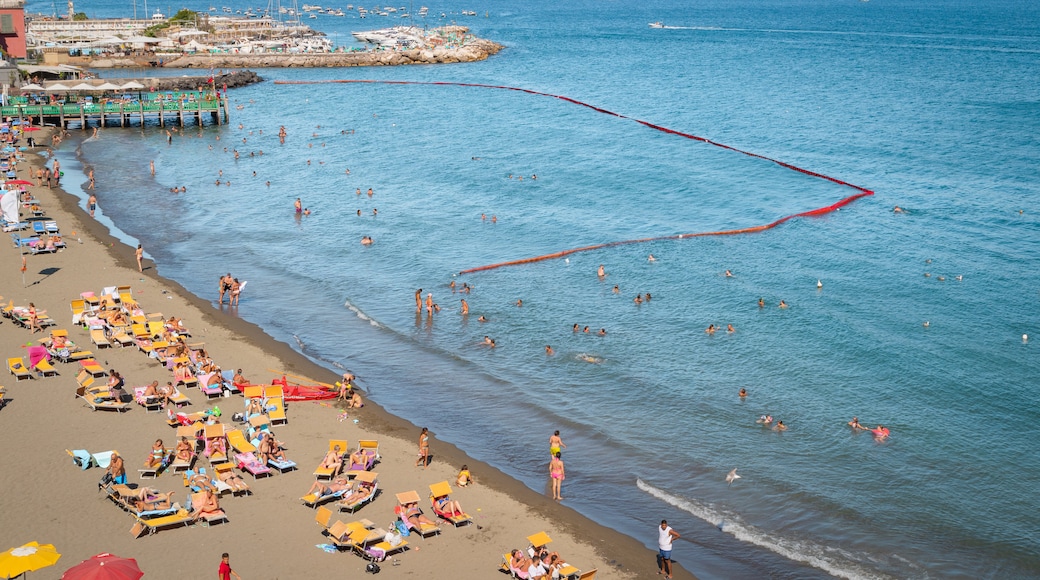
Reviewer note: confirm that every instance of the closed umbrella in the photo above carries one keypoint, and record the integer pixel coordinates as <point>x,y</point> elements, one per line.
<point>27,558</point>
<point>17,182</point>
<point>104,567</point>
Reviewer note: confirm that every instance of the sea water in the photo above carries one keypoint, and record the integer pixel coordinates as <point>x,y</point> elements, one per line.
<point>930,104</point>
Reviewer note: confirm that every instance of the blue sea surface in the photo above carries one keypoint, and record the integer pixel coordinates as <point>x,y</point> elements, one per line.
<point>930,104</point>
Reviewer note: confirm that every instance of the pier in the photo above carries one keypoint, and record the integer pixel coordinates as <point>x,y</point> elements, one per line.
<point>180,107</point>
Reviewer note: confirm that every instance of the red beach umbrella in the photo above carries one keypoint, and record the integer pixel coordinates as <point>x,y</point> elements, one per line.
<point>18,182</point>
<point>104,567</point>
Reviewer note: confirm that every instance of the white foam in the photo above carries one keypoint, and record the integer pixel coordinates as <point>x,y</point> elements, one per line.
<point>361,314</point>
<point>834,561</point>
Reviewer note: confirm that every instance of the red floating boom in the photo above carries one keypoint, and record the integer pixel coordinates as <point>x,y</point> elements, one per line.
<point>816,212</point>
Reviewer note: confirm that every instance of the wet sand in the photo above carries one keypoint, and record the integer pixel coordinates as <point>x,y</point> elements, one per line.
<point>270,534</point>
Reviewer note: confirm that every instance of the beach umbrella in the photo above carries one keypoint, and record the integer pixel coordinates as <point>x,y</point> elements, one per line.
<point>104,567</point>
<point>31,87</point>
<point>27,558</point>
<point>132,85</point>
<point>56,87</point>
<point>84,87</point>
<point>107,87</point>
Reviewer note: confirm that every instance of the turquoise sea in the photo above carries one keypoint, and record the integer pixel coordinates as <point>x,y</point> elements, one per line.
<point>932,104</point>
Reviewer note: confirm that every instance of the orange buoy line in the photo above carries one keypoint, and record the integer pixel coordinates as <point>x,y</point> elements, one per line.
<point>811,213</point>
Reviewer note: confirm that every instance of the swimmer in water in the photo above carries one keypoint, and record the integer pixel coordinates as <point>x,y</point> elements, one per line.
<point>783,304</point>
<point>710,329</point>
<point>638,299</point>
<point>854,423</point>
<point>589,358</point>
<point>482,319</point>
<point>602,332</point>
<point>549,350</point>
<point>779,426</point>
<point>764,419</point>
<point>600,271</point>
<point>616,289</point>
<point>729,274</point>
<point>519,302</point>
<point>761,303</point>
<point>585,330</point>
<point>743,393</point>
<point>575,328</point>
<point>647,298</point>
<point>897,209</point>
<point>651,258</point>
<point>880,433</point>
<point>730,329</point>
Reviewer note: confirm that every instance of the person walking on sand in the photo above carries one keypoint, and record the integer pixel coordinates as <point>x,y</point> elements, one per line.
<point>424,448</point>
<point>556,475</point>
<point>140,257</point>
<point>665,535</point>
<point>224,572</point>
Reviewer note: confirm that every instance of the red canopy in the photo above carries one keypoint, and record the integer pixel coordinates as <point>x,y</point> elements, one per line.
<point>104,567</point>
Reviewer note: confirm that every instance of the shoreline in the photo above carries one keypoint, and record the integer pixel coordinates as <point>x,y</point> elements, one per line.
<point>610,547</point>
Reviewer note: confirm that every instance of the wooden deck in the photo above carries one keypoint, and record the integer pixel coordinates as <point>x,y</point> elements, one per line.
<point>123,114</point>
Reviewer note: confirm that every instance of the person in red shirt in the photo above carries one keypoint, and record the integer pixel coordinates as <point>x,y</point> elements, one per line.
<point>225,572</point>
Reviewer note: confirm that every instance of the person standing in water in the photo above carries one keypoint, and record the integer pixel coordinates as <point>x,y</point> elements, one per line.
<point>556,475</point>
<point>555,443</point>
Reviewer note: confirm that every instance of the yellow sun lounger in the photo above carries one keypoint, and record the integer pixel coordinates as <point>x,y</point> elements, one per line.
<point>443,490</point>
<point>17,368</point>
<point>330,472</point>
<point>239,442</point>
<point>45,368</point>
<point>277,413</point>
<point>150,526</point>
<point>97,336</point>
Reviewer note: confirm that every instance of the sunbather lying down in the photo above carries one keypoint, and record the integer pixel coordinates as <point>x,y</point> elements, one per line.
<point>202,481</point>
<point>207,506</point>
<point>363,490</point>
<point>149,498</point>
<point>233,479</point>
<point>448,506</point>
<point>414,515</point>
<point>338,484</point>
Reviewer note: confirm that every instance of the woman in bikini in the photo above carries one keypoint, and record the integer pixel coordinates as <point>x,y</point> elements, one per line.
<point>556,475</point>
<point>158,453</point>
<point>424,448</point>
<point>184,450</point>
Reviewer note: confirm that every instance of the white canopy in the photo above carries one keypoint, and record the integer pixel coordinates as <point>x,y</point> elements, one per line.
<point>31,87</point>
<point>9,205</point>
<point>108,87</point>
<point>56,87</point>
<point>188,33</point>
<point>132,85</point>
<point>84,87</point>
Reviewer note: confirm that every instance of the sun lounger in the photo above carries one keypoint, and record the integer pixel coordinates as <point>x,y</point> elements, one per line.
<point>120,337</point>
<point>412,497</point>
<point>149,526</point>
<point>330,472</point>
<point>189,482</point>
<point>216,443</point>
<point>367,480</point>
<point>249,463</point>
<point>17,368</point>
<point>443,490</point>
<point>509,568</point>
<point>150,403</point>
<point>45,368</point>
<point>585,575</point>
<point>314,499</point>
<point>98,404</point>
<point>81,458</point>
<point>239,442</point>
<point>211,391</point>
<point>282,465</point>
<point>178,398</point>
<point>97,336</point>
<point>210,518</point>
<point>91,366</point>
<point>220,468</point>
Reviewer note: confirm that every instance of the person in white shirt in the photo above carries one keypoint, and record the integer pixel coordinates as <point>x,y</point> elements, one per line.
<point>665,535</point>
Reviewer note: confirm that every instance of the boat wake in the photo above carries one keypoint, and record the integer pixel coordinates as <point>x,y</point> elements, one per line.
<point>835,561</point>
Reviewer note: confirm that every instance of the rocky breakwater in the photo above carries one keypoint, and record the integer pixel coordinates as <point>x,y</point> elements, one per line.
<point>473,50</point>
<point>230,80</point>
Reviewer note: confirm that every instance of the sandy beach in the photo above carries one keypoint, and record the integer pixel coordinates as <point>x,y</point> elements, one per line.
<point>270,534</point>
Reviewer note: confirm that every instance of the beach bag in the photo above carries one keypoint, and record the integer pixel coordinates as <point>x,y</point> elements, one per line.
<point>372,568</point>
<point>393,537</point>
<point>402,530</point>
<point>106,479</point>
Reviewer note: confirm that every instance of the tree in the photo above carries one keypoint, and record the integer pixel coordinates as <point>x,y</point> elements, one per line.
<point>80,16</point>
